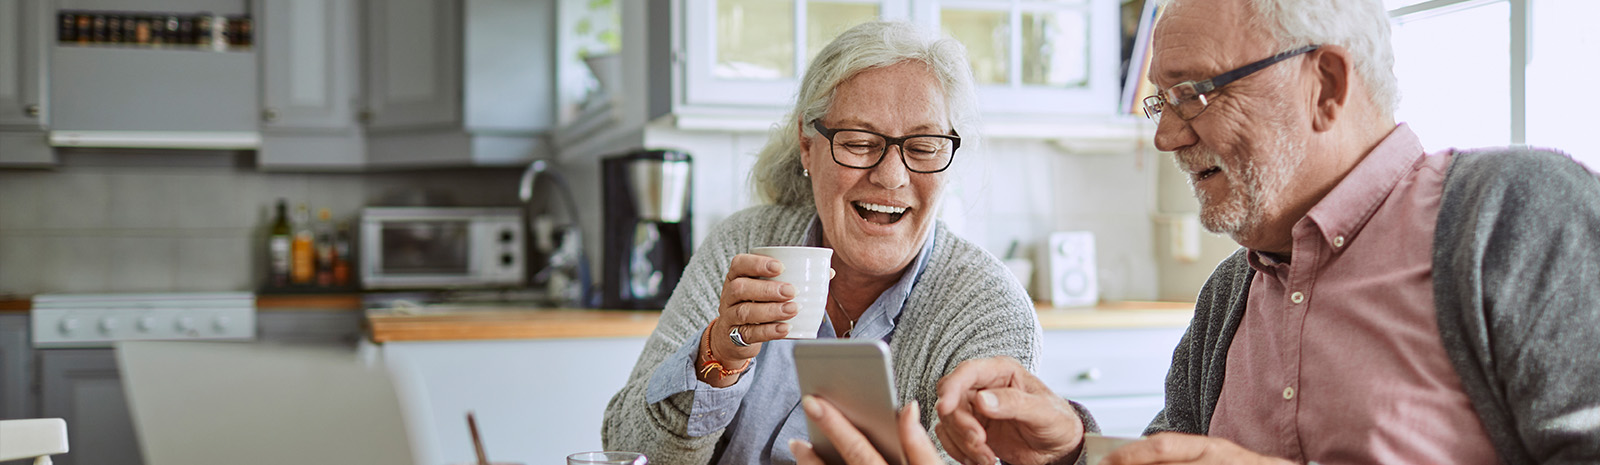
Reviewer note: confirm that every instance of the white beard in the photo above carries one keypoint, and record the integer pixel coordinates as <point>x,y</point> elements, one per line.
<point>1254,189</point>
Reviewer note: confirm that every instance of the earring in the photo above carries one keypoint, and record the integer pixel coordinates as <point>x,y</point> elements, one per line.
<point>805,172</point>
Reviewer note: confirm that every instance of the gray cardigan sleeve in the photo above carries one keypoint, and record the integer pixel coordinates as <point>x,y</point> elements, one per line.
<point>1517,283</point>
<point>660,430</point>
<point>1194,381</point>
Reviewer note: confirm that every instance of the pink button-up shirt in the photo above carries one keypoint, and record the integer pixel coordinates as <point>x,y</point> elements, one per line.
<point>1338,358</point>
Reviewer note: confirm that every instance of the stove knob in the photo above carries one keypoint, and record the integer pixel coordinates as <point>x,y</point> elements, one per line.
<point>221,323</point>
<point>108,324</point>
<point>185,324</point>
<point>147,323</point>
<point>68,325</point>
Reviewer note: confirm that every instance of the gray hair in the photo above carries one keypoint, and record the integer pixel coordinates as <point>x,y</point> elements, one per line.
<point>1360,26</point>
<point>777,178</point>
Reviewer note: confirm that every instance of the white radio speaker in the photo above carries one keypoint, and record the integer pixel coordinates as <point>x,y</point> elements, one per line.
<point>1072,269</point>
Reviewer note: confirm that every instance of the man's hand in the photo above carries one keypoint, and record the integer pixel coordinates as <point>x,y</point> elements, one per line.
<point>853,445</point>
<point>1185,448</point>
<point>994,408</point>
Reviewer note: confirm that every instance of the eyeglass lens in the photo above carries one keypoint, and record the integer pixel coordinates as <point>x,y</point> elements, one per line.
<point>859,149</point>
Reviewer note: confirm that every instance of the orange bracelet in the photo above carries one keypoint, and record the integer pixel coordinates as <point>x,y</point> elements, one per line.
<point>711,362</point>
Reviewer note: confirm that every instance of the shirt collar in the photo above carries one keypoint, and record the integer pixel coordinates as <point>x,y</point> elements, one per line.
<point>1341,214</point>
<point>878,322</point>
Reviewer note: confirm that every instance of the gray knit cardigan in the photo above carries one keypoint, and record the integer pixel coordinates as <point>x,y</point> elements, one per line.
<point>1516,261</point>
<point>966,305</point>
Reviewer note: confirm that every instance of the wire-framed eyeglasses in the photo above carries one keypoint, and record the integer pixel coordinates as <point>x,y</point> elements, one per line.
<point>862,149</point>
<point>1188,99</point>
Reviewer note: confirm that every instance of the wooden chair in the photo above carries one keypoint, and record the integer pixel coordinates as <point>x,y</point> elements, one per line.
<point>35,439</point>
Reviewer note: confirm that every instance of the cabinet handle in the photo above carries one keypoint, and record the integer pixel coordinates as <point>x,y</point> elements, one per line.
<point>31,110</point>
<point>269,115</point>
<point>365,116</point>
<point>1089,375</point>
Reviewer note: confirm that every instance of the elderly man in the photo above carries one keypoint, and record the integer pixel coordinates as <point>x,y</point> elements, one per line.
<point>1388,306</point>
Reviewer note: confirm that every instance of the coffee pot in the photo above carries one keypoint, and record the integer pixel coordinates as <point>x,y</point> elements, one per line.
<point>647,227</point>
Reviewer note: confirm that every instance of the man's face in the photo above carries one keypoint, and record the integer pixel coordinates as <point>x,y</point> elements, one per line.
<point>1242,153</point>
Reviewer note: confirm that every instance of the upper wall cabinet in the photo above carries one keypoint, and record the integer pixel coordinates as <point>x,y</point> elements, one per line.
<point>353,84</point>
<point>309,85</point>
<point>22,65</point>
<point>754,52</point>
<point>1038,64</point>
<point>458,82</point>
<point>413,63</point>
<point>24,112</point>
<point>1041,57</point>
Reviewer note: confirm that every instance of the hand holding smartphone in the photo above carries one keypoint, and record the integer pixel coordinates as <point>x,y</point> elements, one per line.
<point>855,376</point>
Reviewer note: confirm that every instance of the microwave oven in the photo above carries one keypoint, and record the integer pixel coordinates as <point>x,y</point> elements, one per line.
<point>441,247</point>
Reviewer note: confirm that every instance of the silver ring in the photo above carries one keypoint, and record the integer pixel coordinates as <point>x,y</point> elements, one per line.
<point>738,339</point>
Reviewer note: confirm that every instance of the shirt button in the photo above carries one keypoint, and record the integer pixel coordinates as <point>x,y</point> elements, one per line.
<point>1338,241</point>
<point>1297,297</point>
<point>1288,393</point>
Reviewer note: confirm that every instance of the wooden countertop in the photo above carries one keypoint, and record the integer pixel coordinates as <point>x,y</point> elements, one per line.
<point>506,323</point>
<point>269,303</point>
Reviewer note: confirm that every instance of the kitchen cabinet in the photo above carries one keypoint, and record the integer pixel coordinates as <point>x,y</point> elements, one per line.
<point>1039,58</point>
<point>753,52</point>
<point>1118,374</point>
<point>309,84</point>
<point>353,84</point>
<point>83,386</point>
<point>453,83</point>
<point>24,106</point>
<point>413,63</point>
<point>1043,65</point>
<point>16,368</point>
<point>312,328</point>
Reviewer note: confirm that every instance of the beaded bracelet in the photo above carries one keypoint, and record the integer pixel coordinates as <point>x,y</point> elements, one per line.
<point>711,362</point>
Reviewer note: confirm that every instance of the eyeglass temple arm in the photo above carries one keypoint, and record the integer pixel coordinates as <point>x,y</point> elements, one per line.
<point>1225,78</point>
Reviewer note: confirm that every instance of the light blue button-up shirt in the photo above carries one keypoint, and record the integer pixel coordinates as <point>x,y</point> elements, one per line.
<point>759,431</point>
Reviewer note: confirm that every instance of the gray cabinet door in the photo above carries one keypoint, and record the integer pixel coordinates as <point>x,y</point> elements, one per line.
<point>22,65</point>
<point>310,85</point>
<point>83,387</point>
<point>311,328</point>
<point>16,368</point>
<point>413,64</point>
<point>308,64</point>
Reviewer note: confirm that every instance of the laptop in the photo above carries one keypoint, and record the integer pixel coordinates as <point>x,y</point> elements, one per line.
<point>205,403</point>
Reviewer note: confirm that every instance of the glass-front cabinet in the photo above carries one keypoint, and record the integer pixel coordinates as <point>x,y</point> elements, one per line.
<point>753,52</point>
<point>1039,56</point>
<point>1029,57</point>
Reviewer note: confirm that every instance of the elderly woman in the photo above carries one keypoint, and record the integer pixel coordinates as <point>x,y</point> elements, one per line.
<point>860,166</point>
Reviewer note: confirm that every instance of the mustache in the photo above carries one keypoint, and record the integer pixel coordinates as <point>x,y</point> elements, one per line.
<point>1197,159</point>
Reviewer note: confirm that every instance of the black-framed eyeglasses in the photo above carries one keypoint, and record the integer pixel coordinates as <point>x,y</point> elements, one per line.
<point>862,149</point>
<point>1188,99</point>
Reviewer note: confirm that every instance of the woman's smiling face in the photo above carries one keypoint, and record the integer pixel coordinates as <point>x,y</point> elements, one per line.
<point>875,219</point>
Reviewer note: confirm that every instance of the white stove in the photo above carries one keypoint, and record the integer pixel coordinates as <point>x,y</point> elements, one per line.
<point>100,320</point>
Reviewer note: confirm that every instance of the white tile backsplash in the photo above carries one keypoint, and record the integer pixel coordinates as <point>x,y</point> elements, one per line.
<point>145,200</point>
<point>142,264</point>
<point>137,228</point>
<point>215,262</point>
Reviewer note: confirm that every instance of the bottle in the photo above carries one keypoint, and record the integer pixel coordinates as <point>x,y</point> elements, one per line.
<point>324,247</point>
<point>278,247</point>
<point>341,255</point>
<point>303,266</point>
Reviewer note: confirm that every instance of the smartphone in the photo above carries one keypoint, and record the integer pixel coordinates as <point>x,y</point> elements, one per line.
<point>855,376</point>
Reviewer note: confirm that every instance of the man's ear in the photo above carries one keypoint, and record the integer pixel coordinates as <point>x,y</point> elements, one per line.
<point>1333,74</point>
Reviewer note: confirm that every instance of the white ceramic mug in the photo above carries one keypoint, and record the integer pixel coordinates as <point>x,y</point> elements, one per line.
<point>807,269</point>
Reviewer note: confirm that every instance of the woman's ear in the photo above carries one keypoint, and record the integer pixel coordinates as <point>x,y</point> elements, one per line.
<point>1331,65</point>
<point>805,147</point>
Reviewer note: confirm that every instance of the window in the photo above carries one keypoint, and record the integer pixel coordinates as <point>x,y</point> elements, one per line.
<point>1455,97</point>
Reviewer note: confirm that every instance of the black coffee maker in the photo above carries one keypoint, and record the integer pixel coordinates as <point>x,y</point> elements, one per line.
<point>647,221</point>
